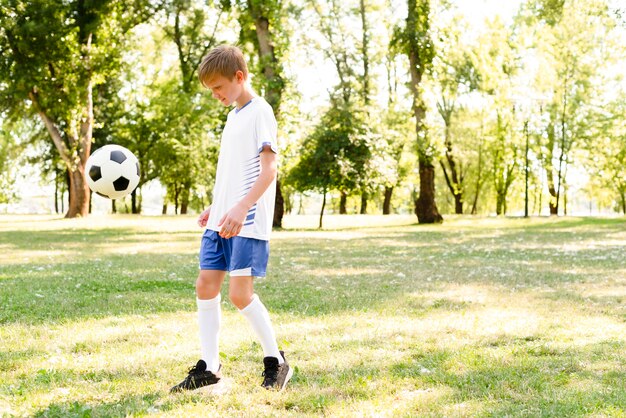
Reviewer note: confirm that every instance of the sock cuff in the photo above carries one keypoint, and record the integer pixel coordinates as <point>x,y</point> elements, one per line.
<point>254,303</point>
<point>207,304</point>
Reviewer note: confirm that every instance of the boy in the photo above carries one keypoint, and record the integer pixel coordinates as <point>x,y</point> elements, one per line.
<point>239,220</point>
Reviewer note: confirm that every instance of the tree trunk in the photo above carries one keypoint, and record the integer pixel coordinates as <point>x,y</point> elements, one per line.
<point>301,205</point>
<point>453,185</point>
<point>274,86</point>
<point>479,179</point>
<point>458,204</point>
<point>387,201</point>
<point>622,194</point>
<point>164,209</point>
<point>365,55</point>
<point>56,192</point>
<point>553,203</point>
<point>279,207</point>
<point>364,203</point>
<point>176,198</point>
<point>135,206</point>
<point>76,154</point>
<point>455,179</point>
<point>425,207</point>
<point>67,187</point>
<point>500,199</point>
<point>322,211</point>
<point>79,194</point>
<point>185,194</point>
<point>78,189</point>
<point>562,154</point>
<point>113,206</point>
<point>526,170</point>
<point>342,203</point>
<point>288,202</point>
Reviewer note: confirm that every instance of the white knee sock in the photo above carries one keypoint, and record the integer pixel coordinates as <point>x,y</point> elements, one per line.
<point>209,318</point>
<point>259,318</point>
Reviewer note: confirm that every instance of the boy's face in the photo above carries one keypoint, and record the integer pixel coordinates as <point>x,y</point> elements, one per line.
<point>225,90</point>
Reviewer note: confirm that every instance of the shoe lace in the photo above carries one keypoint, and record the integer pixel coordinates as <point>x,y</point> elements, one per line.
<point>193,370</point>
<point>270,373</point>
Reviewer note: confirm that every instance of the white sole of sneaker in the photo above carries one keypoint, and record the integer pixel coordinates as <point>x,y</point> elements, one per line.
<point>220,388</point>
<point>289,374</point>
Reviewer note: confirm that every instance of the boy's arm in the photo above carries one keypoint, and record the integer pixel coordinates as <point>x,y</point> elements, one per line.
<point>232,221</point>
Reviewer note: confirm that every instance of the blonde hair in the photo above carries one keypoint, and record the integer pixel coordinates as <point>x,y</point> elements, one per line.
<point>225,60</point>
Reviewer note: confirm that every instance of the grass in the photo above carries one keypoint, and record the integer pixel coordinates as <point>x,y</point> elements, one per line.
<point>380,317</point>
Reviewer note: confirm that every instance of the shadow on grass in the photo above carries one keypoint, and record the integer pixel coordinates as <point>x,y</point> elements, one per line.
<point>577,222</point>
<point>127,406</point>
<point>533,380</point>
<point>93,240</point>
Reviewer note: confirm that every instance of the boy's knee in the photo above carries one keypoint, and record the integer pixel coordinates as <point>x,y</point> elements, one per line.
<point>207,286</point>
<point>239,299</point>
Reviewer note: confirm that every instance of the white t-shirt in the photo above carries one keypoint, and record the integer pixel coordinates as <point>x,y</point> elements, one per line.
<point>246,132</point>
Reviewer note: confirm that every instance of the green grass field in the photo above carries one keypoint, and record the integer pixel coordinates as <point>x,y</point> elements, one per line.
<point>475,317</point>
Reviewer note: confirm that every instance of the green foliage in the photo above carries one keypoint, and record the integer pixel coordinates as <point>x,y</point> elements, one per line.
<point>52,55</point>
<point>414,40</point>
<point>336,155</point>
<point>548,11</point>
<point>573,39</point>
<point>473,86</point>
<point>56,49</point>
<point>605,153</point>
<point>7,153</point>
<point>264,34</point>
<point>414,36</point>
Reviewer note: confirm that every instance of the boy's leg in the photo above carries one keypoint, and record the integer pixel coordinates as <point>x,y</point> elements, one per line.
<point>277,371</point>
<point>242,295</point>
<point>208,296</point>
<point>212,272</point>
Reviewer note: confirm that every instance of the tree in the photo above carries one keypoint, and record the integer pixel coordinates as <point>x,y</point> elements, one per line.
<point>606,148</point>
<point>335,155</point>
<point>455,75</point>
<point>340,47</point>
<point>414,40</point>
<point>572,40</point>
<point>82,44</point>
<point>500,63</point>
<point>504,159</point>
<point>395,128</point>
<point>9,150</point>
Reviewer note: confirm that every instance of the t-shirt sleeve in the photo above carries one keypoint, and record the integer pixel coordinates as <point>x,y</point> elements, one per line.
<point>265,130</point>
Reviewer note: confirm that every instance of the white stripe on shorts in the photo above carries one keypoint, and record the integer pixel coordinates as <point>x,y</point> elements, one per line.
<point>242,272</point>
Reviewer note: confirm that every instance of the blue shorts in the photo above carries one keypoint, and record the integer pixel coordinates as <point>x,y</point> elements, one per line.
<point>239,256</point>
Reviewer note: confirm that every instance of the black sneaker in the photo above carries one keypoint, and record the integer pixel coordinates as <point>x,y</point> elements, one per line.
<point>198,377</point>
<point>276,375</point>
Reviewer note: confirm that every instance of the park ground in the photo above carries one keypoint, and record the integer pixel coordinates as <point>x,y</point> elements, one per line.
<point>378,315</point>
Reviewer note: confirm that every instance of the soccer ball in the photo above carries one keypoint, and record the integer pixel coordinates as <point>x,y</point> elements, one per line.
<point>112,171</point>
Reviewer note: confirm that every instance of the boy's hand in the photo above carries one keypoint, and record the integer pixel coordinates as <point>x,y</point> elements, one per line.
<point>204,217</point>
<point>232,222</point>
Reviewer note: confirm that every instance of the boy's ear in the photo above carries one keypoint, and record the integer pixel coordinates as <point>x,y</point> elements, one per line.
<point>240,76</point>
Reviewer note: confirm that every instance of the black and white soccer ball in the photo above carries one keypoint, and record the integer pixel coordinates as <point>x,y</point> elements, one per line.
<point>112,171</point>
